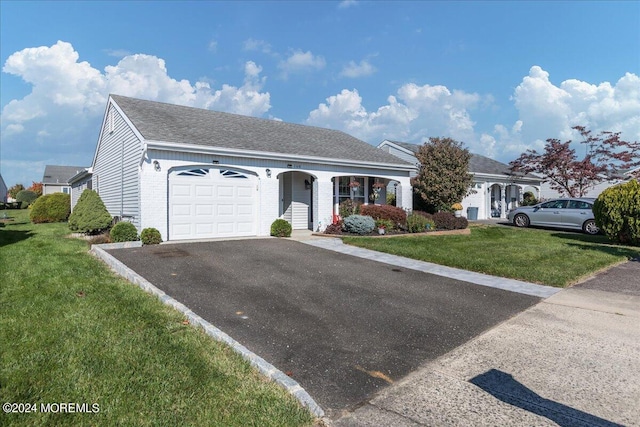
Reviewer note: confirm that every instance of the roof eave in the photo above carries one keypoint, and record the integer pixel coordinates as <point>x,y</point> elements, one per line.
<point>195,148</point>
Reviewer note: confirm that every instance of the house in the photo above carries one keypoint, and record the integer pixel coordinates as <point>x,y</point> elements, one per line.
<point>496,189</point>
<point>56,178</point>
<point>3,190</point>
<point>194,173</point>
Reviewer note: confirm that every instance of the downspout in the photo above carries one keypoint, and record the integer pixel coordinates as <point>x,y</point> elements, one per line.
<point>122,182</point>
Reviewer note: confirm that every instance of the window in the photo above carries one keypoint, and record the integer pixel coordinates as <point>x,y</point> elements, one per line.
<point>351,187</point>
<point>554,204</point>
<point>65,190</point>
<point>195,172</point>
<point>578,204</point>
<point>232,174</point>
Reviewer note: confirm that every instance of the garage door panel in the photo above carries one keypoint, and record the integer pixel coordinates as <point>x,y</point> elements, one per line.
<point>208,203</point>
<point>204,190</point>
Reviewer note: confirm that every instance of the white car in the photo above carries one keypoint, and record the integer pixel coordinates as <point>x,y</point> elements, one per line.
<point>575,213</point>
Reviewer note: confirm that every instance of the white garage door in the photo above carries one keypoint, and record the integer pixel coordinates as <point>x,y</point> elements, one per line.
<point>212,202</point>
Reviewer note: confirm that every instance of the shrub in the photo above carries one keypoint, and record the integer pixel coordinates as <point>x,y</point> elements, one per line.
<point>359,224</point>
<point>528,199</point>
<point>424,214</point>
<point>89,214</point>
<point>416,223</point>
<point>26,196</point>
<point>460,223</point>
<point>280,228</point>
<point>334,228</point>
<point>124,232</point>
<point>348,208</point>
<point>51,208</point>
<point>150,236</point>
<point>100,239</point>
<point>617,212</point>
<point>391,199</point>
<point>444,220</point>
<point>397,216</point>
<point>384,223</point>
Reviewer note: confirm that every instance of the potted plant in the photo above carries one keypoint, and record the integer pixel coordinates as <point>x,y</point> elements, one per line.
<point>457,207</point>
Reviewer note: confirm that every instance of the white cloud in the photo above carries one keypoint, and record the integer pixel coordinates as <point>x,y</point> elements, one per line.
<point>353,70</point>
<point>547,110</point>
<point>346,4</point>
<point>118,53</point>
<point>256,45</point>
<point>299,62</point>
<point>417,113</point>
<point>213,46</point>
<point>61,115</point>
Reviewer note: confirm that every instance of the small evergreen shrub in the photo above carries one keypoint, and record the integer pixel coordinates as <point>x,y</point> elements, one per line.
<point>26,196</point>
<point>150,236</point>
<point>348,208</point>
<point>397,216</point>
<point>416,223</point>
<point>51,208</point>
<point>334,228</point>
<point>444,220</point>
<point>617,212</point>
<point>391,199</point>
<point>359,224</point>
<point>528,199</point>
<point>124,232</point>
<point>281,228</point>
<point>460,223</point>
<point>89,214</point>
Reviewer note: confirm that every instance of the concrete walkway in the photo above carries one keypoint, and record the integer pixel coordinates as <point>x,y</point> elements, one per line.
<point>571,360</point>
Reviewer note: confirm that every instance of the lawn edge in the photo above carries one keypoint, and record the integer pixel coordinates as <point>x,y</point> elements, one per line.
<point>264,367</point>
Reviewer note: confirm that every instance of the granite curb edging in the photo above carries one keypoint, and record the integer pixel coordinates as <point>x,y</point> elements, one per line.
<point>267,369</point>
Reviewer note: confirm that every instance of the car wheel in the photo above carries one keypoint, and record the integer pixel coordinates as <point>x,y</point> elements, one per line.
<point>521,220</point>
<point>590,227</point>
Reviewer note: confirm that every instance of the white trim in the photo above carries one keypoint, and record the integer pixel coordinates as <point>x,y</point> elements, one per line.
<point>194,148</point>
<point>396,146</point>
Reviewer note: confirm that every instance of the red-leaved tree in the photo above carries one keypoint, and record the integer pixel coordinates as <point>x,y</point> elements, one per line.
<point>36,187</point>
<point>559,164</point>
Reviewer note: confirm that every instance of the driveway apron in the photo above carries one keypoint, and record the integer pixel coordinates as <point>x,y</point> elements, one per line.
<point>343,327</point>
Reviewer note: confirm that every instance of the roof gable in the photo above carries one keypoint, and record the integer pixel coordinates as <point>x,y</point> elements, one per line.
<point>161,122</point>
<point>54,174</point>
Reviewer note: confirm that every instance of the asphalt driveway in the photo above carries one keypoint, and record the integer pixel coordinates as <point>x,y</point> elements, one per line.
<point>341,326</point>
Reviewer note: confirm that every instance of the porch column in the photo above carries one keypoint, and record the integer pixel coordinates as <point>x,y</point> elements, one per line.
<point>323,203</point>
<point>269,204</point>
<point>404,194</point>
<point>503,204</point>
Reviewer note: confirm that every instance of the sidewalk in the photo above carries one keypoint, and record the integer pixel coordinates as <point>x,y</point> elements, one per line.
<point>571,360</point>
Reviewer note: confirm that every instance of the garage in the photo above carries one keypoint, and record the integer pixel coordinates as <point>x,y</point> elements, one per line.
<point>210,202</point>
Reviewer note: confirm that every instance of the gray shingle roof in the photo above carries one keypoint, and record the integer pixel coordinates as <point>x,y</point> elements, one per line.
<point>158,121</point>
<point>54,174</point>
<point>477,163</point>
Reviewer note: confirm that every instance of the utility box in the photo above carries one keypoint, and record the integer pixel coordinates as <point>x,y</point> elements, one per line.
<point>472,214</point>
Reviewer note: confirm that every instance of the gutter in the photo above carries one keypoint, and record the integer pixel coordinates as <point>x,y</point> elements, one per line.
<point>193,148</point>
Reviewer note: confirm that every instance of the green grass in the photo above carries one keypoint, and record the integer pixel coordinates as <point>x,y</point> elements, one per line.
<point>71,331</point>
<point>548,257</point>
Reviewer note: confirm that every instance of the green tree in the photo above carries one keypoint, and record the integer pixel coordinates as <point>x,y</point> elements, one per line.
<point>13,191</point>
<point>443,178</point>
<point>89,214</point>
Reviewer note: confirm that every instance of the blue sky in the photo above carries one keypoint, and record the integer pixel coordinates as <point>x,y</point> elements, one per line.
<point>499,76</point>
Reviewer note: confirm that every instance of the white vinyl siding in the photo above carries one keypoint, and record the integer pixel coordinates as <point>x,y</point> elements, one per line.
<point>117,168</point>
<point>410,158</point>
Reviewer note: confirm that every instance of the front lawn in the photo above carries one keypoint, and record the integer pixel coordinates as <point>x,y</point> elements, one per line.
<point>553,258</point>
<point>71,331</point>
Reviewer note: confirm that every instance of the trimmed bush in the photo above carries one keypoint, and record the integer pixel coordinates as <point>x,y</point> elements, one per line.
<point>391,199</point>
<point>460,223</point>
<point>359,224</point>
<point>617,212</point>
<point>281,228</point>
<point>528,199</point>
<point>150,236</point>
<point>89,214</point>
<point>51,208</point>
<point>416,223</point>
<point>124,232</point>
<point>26,196</point>
<point>444,220</point>
<point>396,215</point>
<point>333,228</point>
<point>348,208</point>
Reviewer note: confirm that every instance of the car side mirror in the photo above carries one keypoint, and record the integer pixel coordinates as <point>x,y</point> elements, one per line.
<point>536,208</point>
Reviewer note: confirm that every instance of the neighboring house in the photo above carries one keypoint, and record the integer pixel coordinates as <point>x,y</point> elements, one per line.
<point>194,173</point>
<point>56,178</point>
<point>3,190</point>
<point>496,190</point>
<point>79,182</point>
<point>608,181</point>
